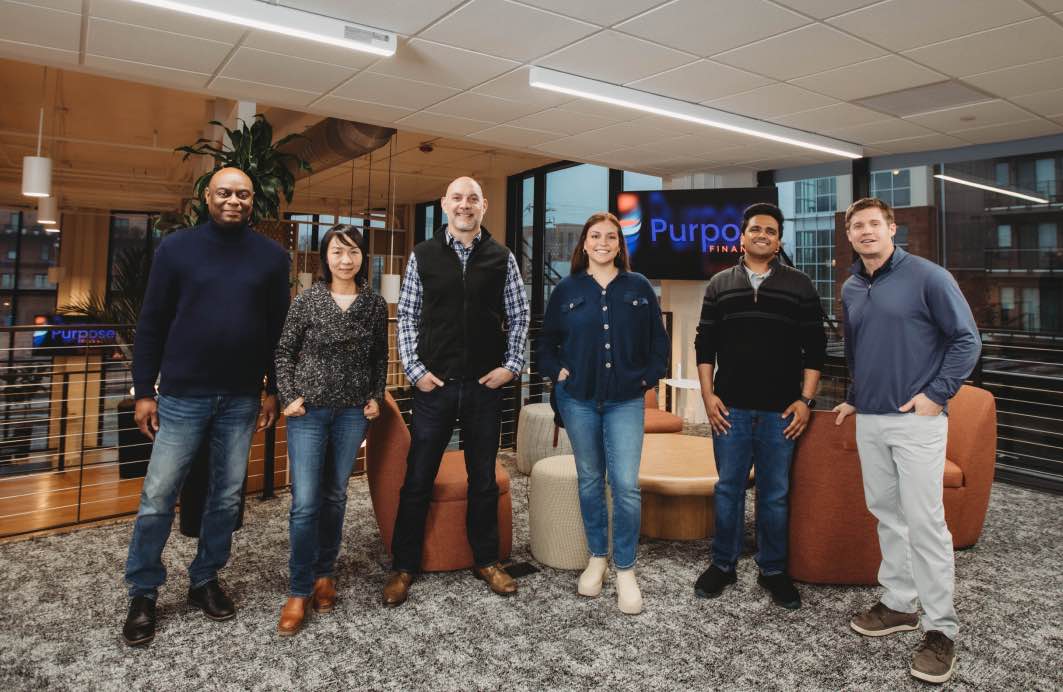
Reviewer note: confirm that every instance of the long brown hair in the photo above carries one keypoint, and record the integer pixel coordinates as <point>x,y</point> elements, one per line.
<point>579,256</point>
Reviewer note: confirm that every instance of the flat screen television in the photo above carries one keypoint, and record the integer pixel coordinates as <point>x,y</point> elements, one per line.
<point>686,234</point>
<point>61,335</point>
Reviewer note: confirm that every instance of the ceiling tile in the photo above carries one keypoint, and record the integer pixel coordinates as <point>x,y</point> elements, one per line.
<point>25,52</point>
<point>615,58</point>
<point>830,117</point>
<point>1002,133</point>
<point>1036,39</point>
<point>165,20</point>
<point>821,9</point>
<point>1048,103</point>
<point>1021,79</point>
<point>442,124</point>
<point>514,86</point>
<point>1049,5</point>
<point>923,143</point>
<point>575,147</point>
<point>876,76</point>
<point>401,16</point>
<point>485,108</point>
<point>261,93</point>
<point>505,135</point>
<point>361,111</point>
<point>800,52</point>
<point>695,25</point>
<point>477,24</point>
<point>392,91</point>
<point>40,26</point>
<point>64,5</point>
<point>880,131</point>
<point>153,47</point>
<point>564,122</point>
<point>700,81</point>
<point>124,69</point>
<point>771,101</point>
<point>602,110</point>
<point>973,115</point>
<point>252,65</point>
<point>438,64</point>
<point>310,50</point>
<point>600,12</point>
<point>903,24</point>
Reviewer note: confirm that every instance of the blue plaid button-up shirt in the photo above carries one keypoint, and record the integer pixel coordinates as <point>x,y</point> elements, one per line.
<point>409,312</point>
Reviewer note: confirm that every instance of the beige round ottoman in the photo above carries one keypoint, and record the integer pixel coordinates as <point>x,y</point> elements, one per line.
<point>555,522</point>
<point>535,437</point>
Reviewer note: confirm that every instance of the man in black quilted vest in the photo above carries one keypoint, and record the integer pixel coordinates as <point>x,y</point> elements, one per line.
<point>461,291</point>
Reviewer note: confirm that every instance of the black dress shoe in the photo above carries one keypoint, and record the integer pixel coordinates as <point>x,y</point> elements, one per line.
<point>713,581</point>
<point>783,592</point>
<point>212,601</point>
<point>139,628</point>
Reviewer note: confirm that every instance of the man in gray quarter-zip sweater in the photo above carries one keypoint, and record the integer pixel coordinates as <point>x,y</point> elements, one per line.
<point>910,340</point>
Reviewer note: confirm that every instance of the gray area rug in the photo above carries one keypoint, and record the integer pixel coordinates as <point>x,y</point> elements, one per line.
<point>62,603</point>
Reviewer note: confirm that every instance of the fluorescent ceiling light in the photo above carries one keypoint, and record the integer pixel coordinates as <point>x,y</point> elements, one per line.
<point>990,188</point>
<point>266,16</point>
<point>682,110</point>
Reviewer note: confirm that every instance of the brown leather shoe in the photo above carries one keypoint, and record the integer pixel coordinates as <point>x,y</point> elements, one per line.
<point>397,589</point>
<point>497,578</point>
<point>293,614</point>
<point>324,598</point>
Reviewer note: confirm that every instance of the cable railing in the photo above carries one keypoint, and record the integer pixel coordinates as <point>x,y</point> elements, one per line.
<point>71,453</point>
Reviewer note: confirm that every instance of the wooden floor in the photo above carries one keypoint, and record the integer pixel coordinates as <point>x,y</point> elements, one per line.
<point>92,491</point>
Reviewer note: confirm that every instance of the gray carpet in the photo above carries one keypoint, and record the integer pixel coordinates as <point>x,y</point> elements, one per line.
<point>62,603</point>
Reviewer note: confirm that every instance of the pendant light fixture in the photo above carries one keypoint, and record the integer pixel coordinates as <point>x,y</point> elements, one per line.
<point>48,211</point>
<point>389,282</point>
<point>37,170</point>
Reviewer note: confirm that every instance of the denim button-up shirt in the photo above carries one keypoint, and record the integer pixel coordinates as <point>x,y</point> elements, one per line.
<point>611,340</point>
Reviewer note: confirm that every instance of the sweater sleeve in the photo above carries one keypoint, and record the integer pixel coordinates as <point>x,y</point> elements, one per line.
<point>963,345</point>
<point>551,336</point>
<point>379,355</point>
<point>705,342</point>
<point>277,311</point>
<point>850,396</point>
<point>813,335</point>
<point>289,345</point>
<point>153,325</point>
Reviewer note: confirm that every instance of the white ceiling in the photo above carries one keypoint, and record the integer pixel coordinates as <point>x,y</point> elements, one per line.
<point>461,69</point>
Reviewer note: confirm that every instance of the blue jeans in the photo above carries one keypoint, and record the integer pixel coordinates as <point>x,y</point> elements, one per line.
<point>606,439</point>
<point>319,489</point>
<point>183,422</point>
<point>755,439</point>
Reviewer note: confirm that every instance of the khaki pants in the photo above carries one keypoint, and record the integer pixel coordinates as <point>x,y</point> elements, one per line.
<point>902,458</point>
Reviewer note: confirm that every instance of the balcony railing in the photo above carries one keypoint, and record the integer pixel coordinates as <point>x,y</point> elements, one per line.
<point>1023,260</point>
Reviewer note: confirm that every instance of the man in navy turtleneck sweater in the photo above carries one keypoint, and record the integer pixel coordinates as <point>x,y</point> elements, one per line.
<point>215,305</point>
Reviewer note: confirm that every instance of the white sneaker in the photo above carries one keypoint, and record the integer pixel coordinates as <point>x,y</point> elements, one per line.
<point>590,582</point>
<point>628,595</point>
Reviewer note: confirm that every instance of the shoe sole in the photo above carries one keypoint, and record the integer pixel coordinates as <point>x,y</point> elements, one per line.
<point>289,633</point>
<point>883,632</point>
<point>215,618</point>
<point>590,593</point>
<point>936,679</point>
<point>138,642</point>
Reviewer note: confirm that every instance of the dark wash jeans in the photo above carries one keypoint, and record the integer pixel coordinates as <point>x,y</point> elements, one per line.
<point>755,439</point>
<point>183,421</point>
<point>479,411</point>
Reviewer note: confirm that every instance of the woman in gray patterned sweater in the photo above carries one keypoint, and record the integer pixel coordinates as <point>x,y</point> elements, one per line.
<point>332,363</point>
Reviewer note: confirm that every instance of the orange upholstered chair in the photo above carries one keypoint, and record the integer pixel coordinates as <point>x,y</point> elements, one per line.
<point>833,538</point>
<point>446,546</point>
<point>658,421</point>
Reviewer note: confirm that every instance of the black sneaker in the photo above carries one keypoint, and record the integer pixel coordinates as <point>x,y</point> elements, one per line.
<point>139,628</point>
<point>782,590</point>
<point>713,581</point>
<point>212,601</point>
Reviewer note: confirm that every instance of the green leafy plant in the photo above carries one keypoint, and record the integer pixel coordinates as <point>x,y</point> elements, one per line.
<point>253,151</point>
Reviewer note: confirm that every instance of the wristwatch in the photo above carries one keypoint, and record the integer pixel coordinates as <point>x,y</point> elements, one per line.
<point>810,403</point>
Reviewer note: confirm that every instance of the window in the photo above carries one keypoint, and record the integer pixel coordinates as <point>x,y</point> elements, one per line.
<point>572,195</point>
<point>641,181</point>
<point>1002,174</point>
<point>132,237</point>
<point>901,237</point>
<point>1004,235</point>
<point>893,187</point>
<point>808,207</point>
<point>7,281</point>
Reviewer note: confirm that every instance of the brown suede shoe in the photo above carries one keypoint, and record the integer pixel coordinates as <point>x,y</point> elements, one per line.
<point>293,615</point>
<point>397,589</point>
<point>935,658</point>
<point>497,578</point>
<point>879,620</point>
<point>324,598</point>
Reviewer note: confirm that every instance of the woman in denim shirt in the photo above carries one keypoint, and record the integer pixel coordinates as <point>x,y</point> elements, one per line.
<point>603,344</point>
<point>332,364</point>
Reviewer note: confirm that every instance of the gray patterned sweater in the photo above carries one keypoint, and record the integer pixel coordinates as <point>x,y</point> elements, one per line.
<point>332,357</point>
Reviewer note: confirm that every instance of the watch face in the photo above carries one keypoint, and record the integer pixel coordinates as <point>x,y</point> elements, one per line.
<point>811,403</point>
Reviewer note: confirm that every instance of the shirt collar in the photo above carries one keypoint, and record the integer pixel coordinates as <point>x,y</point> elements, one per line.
<point>858,265</point>
<point>452,241</point>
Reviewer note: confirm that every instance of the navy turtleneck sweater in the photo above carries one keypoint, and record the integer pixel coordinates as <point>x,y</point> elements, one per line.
<point>212,315</point>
